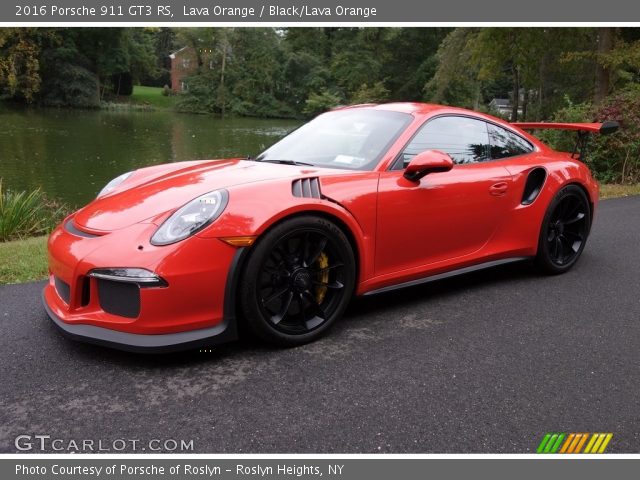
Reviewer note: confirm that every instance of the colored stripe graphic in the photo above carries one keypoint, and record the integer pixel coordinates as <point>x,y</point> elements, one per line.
<point>581,443</point>
<point>567,442</point>
<point>573,442</point>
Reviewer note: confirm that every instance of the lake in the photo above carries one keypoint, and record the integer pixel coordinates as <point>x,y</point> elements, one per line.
<point>71,154</point>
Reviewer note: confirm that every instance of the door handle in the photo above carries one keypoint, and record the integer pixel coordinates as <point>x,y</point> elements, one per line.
<point>498,189</point>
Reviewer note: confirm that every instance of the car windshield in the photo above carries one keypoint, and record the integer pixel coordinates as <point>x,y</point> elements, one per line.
<point>354,139</point>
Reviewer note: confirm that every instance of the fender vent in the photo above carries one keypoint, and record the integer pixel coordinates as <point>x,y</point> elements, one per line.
<point>306,188</point>
<point>535,181</point>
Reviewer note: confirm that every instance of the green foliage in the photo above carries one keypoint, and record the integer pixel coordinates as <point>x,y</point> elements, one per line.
<point>298,71</point>
<point>375,93</point>
<point>75,67</point>
<point>613,158</point>
<point>19,62</point>
<point>563,140</point>
<point>617,156</point>
<point>476,65</point>
<point>25,214</point>
<point>455,79</point>
<point>67,78</point>
<point>320,102</point>
<point>202,96</point>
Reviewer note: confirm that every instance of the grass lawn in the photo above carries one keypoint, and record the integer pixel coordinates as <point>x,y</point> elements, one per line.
<point>26,260</point>
<point>151,96</point>
<point>23,260</point>
<point>615,191</point>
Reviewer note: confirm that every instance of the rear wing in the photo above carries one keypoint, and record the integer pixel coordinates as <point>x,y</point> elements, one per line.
<point>583,130</point>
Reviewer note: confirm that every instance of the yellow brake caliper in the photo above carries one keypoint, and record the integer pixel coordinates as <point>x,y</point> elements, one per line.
<point>323,262</point>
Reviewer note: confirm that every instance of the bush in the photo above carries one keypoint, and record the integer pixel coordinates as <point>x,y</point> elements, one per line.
<point>613,158</point>
<point>321,102</point>
<point>617,156</point>
<point>26,214</point>
<point>375,93</point>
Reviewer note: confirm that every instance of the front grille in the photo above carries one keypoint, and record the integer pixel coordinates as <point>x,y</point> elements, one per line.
<point>119,298</point>
<point>63,289</point>
<point>306,188</point>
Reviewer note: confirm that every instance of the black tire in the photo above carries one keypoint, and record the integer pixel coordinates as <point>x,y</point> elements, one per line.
<point>297,281</point>
<point>564,231</point>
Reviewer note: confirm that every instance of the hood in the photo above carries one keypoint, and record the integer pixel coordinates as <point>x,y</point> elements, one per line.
<point>153,191</point>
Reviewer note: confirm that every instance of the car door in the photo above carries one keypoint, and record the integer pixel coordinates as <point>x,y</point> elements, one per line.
<point>446,215</point>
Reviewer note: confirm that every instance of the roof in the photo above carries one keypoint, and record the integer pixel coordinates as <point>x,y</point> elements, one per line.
<point>501,102</point>
<point>402,107</point>
<point>173,55</point>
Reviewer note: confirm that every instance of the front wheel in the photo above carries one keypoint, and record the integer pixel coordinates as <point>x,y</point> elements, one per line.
<point>564,230</point>
<point>298,281</point>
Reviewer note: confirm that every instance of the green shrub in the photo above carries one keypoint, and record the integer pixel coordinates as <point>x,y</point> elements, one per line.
<point>26,214</point>
<point>375,93</point>
<point>617,157</point>
<point>613,158</point>
<point>321,102</point>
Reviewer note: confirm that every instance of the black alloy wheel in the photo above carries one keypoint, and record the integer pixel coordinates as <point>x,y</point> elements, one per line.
<point>565,230</point>
<point>298,281</point>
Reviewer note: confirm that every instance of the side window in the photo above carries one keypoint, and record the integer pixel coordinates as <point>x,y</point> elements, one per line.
<point>506,144</point>
<point>464,139</point>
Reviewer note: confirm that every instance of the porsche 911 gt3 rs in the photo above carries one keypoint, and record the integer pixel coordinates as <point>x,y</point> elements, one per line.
<point>358,201</point>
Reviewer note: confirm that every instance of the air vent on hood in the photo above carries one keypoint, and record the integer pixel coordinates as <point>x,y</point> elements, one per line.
<point>306,188</point>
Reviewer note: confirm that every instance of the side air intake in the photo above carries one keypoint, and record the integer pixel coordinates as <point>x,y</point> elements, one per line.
<point>306,188</point>
<point>535,181</point>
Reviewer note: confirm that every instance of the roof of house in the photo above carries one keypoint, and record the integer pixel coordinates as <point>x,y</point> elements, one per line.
<point>173,55</point>
<point>500,102</point>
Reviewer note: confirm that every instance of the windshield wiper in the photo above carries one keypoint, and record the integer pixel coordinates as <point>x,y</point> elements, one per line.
<point>287,162</point>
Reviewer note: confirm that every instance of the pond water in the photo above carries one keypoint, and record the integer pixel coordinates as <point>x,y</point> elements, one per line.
<point>71,155</point>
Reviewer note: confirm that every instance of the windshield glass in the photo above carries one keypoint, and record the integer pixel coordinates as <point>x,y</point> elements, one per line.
<point>353,139</point>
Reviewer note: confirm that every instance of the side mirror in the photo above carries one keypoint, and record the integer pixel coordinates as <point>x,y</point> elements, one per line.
<point>430,161</point>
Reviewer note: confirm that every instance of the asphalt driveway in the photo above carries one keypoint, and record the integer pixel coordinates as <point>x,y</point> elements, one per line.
<point>488,362</point>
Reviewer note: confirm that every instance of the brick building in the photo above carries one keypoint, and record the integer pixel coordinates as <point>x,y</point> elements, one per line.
<point>184,62</point>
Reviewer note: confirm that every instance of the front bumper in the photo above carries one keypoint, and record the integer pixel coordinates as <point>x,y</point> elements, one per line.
<point>140,343</point>
<point>194,308</point>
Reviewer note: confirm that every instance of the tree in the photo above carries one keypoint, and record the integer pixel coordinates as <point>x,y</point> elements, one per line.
<point>603,72</point>
<point>455,80</point>
<point>19,61</point>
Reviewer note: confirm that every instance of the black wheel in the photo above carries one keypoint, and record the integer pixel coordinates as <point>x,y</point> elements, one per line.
<point>564,231</point>
<point>298,281</point>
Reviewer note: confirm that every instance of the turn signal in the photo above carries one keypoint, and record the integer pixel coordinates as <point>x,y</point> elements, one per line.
<point>239,241</point>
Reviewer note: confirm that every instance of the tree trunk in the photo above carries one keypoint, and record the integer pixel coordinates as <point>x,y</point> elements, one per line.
<point>525,103</point>
<point>516,95</point>
<point>603,74</point>
<point>222,69</point>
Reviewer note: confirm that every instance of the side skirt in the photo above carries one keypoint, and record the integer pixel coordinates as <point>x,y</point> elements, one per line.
<point>452,273</point>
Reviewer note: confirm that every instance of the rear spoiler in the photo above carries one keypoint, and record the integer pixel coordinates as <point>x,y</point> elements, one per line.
<point>583,129</point>
<point>602,128</point>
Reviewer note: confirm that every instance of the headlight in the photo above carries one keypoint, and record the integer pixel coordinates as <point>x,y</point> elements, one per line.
<point>113,184</point>
<point>191,218</point>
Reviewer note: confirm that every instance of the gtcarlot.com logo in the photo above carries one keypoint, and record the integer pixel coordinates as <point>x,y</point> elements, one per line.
<point>45,443</point>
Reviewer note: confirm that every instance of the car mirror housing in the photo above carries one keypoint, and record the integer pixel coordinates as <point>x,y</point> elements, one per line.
<point>429,161</point>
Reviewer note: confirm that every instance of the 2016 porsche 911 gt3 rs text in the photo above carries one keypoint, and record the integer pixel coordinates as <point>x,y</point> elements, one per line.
<point>360,200</point>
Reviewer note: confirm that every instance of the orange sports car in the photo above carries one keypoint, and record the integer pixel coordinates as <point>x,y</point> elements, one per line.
<point>360,200</point>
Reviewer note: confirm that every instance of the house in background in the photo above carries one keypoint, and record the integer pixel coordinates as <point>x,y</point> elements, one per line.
<point>502,106</point>
<point>184,62</point>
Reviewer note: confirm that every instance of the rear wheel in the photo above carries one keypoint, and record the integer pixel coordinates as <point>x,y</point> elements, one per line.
<point>564,230</point>
<point>298,281</point>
